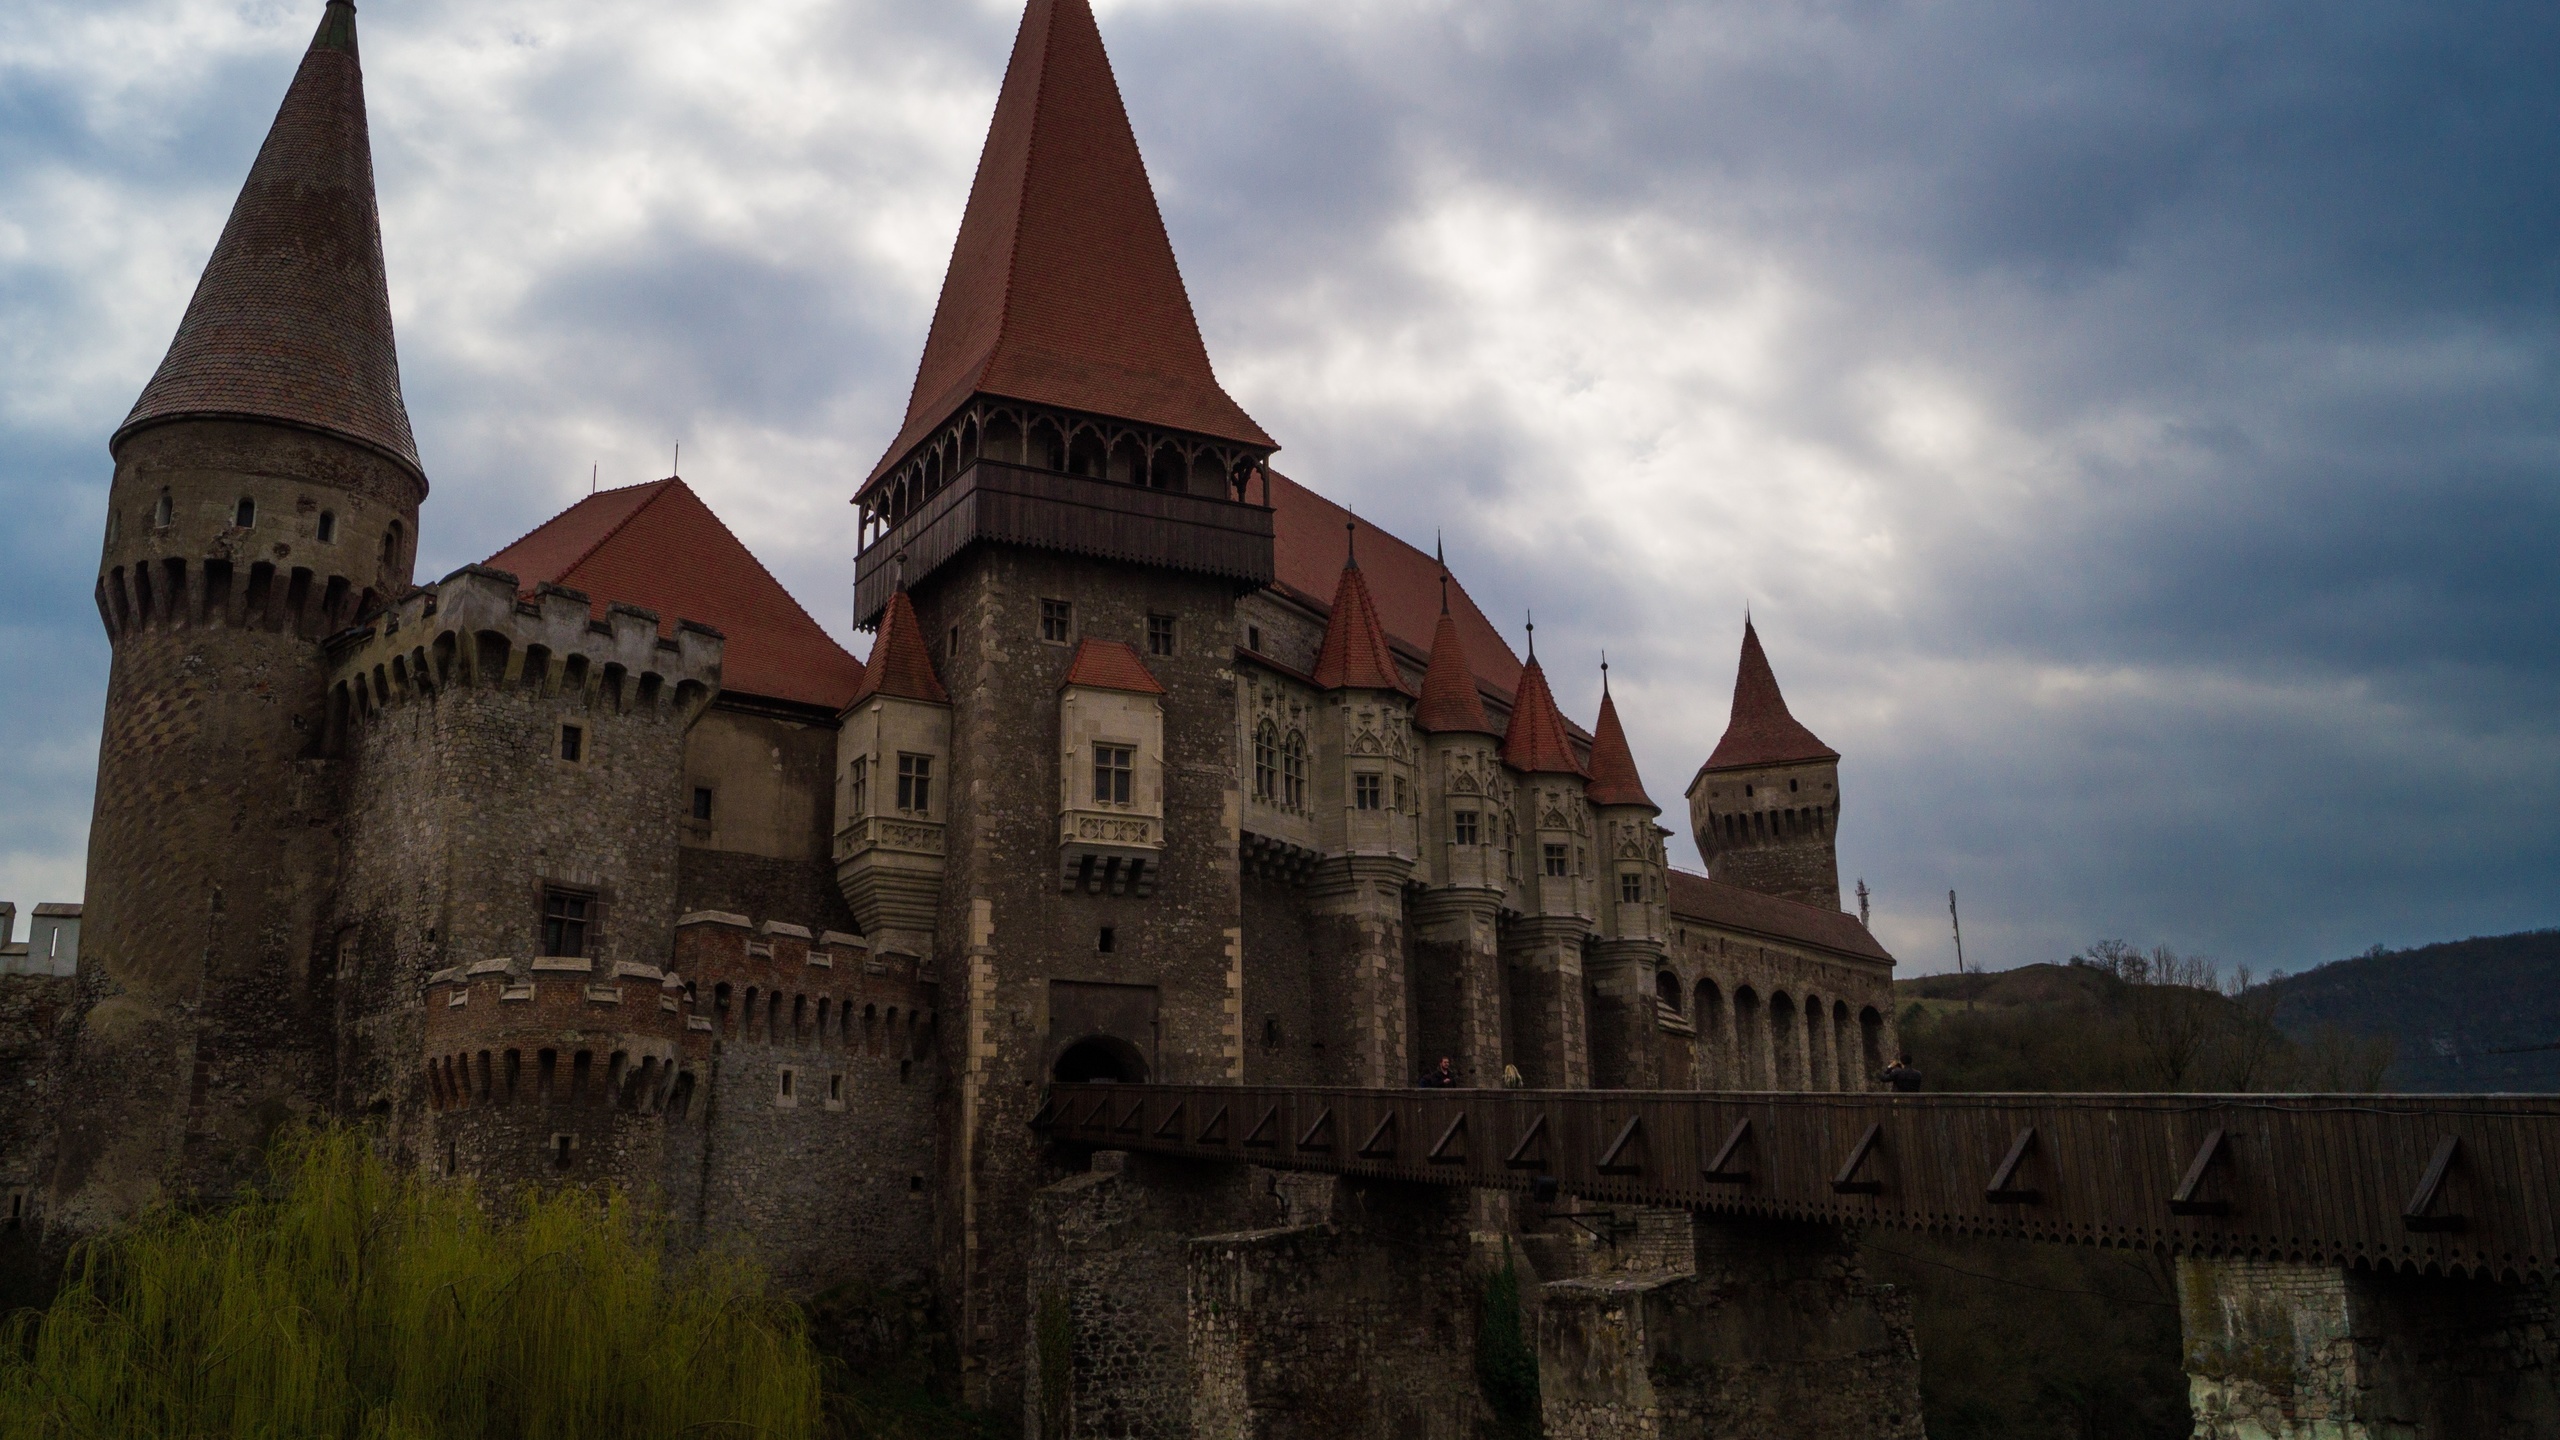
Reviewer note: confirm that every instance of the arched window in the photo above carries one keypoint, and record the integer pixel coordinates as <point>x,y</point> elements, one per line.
<point>328,530</point>
<point>1266,761</point>
<point>391,544</point>
<point>164,512</point>
<point>1084,454</point>
<point>1293,771</point>
<point>1666,988</point>
<point>245,514</point>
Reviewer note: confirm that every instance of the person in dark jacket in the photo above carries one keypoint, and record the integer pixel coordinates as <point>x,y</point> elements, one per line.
<point>1443,1076</point>
<point>1901,1075</point>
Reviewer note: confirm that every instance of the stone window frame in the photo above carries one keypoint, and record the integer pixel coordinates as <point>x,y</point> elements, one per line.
<point>704,801</point>
<point>583,735</point>
<point>915,783</point>
<point>786,1087</point>
<point>1115,785</point>
<point>1163,638</point>
<point>1558,856</point>
<point>1630,887</point>
<point>1368,790</point>
<point>858,787</point>
<point>835,1090</point>
<point>1266,762</point>
<point>1293,771</point>
<point>1057,621</point>
<point>1464,828</point>
<point>600,903</point>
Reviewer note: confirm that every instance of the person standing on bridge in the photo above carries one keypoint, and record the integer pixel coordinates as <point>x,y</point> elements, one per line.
<point>1443,1076</point>
<point>1901,1076</point>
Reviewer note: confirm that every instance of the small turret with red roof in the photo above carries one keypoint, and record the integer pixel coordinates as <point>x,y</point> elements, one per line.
<point>1765,808</point>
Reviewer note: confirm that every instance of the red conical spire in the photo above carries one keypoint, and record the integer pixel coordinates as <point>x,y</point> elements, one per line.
<point>1355,654</point>
<point>1536,743</point>
<point>1450,702</point>
<point>1613,766</point>
<point>1063,288</point>
<point>291,320</point>
<point>900,665</point>
<point>1761,731</point>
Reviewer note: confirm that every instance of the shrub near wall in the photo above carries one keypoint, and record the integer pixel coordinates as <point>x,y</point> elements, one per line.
<point>354,1301</point>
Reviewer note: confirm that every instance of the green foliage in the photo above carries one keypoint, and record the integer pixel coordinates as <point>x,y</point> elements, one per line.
<point>361,1303</point>
<point>2468,1015</point>
<point>1506,1360</point>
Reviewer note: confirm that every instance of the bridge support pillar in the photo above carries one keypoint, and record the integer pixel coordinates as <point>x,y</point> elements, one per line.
<point>1626,1028</point>
<point>1775,1333</point>
<point>1457,952</point>
<point>1357,1320</point>
<point>2279,1351</point>
<point>1360,969</point>
<point>1550,1039</point>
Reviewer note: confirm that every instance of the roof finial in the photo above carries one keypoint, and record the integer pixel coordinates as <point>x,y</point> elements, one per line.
<point>1533,636</point>
<point>676,466</point>
<point>1444,592</point>
<point>1604,674</point>
<point>898,571</point>
<point>1350,541</point>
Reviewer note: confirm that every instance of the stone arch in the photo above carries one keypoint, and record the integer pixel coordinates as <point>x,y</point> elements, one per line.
<point>1003,438</point>
<point>1818,1070</point>
<point>1085,454</point>
<point>1750,1041</point>
<point>1714,1046</point>
<point>1870,1042</point>
<point>1128,461</point>
<point>1844,1049</point>
<point>1048,445</point>
<point>1099,1057</point>
<point>1168,470</point>
<point>1786,1043</point>
<point>1666,990</point>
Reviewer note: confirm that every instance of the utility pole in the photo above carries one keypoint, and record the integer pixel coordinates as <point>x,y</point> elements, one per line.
<point>1958,922</point>
<point>1862,903</point>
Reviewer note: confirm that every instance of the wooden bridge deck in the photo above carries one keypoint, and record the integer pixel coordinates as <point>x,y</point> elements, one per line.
<point>2463,1184</point>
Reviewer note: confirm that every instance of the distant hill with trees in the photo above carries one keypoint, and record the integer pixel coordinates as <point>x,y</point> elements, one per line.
<point>2463,1015</point>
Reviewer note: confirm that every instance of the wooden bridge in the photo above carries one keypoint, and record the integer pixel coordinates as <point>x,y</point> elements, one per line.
<point>2448,1184</point>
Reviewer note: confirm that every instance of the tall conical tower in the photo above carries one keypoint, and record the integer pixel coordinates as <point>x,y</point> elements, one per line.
<point>1071,507</point>
<point>266,492</point>
<point>1765,808</point>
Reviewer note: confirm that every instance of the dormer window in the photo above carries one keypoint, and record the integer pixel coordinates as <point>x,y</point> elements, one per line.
<point>1112,767</point>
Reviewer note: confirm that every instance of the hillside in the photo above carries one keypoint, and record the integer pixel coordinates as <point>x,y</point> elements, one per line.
<point>2444,1006</point>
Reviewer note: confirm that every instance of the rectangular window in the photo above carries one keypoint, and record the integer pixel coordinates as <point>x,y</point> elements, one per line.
<point>860,800</point>
<point>1399,792</point>
<point>1266,763</point>
<point>1463,826</point>
<point>1159,634</point>
<point>1364,792</point>
<point>701,802</point>
<point>566,917</point>
<point>1057,621</point>
<point>1253,638</point>
<point>573,743</point>
<point>1111,769</point>
<point>835,1089</point>
<point>1555,860</point>
<point>915,783</point>
<point>1631,887</point>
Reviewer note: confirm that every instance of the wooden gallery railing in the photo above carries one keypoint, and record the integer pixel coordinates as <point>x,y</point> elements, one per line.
<point>2458,1183</point>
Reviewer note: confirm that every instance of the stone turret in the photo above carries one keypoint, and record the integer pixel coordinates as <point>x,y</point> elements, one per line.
<point>266,494</point>
<point>1457,915</point>
<point>1367,827</point>
<point>1555,894</point>
<point>1765,808</point>
<point>1631,953</point>
<point>893,767</point>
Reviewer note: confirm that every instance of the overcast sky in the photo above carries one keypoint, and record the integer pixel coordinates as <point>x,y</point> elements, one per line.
<point>2134,427</point>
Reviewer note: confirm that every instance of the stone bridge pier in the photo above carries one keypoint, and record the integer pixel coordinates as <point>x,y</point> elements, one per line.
<point>2284,1351</point>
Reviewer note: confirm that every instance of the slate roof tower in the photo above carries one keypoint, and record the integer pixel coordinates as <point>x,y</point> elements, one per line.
<point>266,493</point>
<point>1765,808</point>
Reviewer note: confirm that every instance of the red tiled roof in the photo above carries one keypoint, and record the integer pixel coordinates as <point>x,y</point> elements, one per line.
<point>1063,287</point>
<point>1110,665</point>
<point>659,547</point>
<point>1713,902</point>
<point>1450,704</point>
<point>1355,654</point>
<point>1537,743</point>
<point>1761,731</point>
<point>901,667</point>
<point>1403,580</point>
<point>291,319</point>
<point>1613,766</point>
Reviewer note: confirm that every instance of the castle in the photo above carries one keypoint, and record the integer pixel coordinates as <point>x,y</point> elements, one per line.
<point>601,861</point>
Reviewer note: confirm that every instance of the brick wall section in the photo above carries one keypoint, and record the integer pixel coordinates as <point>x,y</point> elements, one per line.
<point>1006,929</point>
<point>1772,1332</point>
<point>1359,1325</point>
<point>2279,1351</point>
<point>212,840</point>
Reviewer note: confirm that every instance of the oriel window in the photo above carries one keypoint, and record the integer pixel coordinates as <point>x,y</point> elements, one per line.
<point>566,917</point>
<point>1631,887</point>
<point>1462,826</point>
<point>860,799</point>
<point>1112,765</point>
<point>1159,634</point>
<point>915,783</point>
<point>1364,793</point>
<point>1555,860</point>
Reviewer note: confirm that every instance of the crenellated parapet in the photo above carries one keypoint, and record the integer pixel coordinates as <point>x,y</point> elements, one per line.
<point>473,629</point>
<point>777,984</point>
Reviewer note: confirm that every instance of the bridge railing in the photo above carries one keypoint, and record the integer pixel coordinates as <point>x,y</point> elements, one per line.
<point>2464,1184</point>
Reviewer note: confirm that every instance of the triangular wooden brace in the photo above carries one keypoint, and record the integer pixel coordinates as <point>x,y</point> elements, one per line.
<point>2188,1199</point>
<point>1131,1122</point>
<point>2004,1188</point>
<point>2421,1213</point>
<point>1319,1136</point>
<point>1171,1129</point>
<point>1847,1181</point>
<point>1262,1135</point>
<point>1625,1155</point>
<point>1725,1169</point>
<point>1535,1135</point>
<point>1381,1144</point>
<point>1452,1146</point>
<point>1215,1132</point>
<point>1048,1113</point>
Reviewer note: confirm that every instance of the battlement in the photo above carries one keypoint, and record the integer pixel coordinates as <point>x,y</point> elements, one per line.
<point>473,629</point>
<point>778,984</point>
<point>555,1030</point>
<point>176,592</point>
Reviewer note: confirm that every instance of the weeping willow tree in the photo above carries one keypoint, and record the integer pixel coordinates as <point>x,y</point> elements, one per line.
<point>362,1304</point>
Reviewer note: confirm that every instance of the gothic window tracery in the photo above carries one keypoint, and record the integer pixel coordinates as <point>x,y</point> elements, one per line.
<point>1293,771</point>
<point>1266,761</point>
